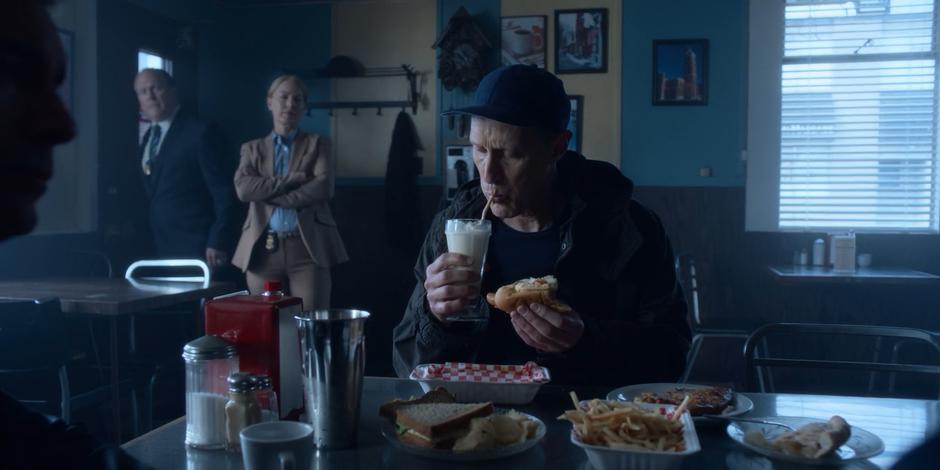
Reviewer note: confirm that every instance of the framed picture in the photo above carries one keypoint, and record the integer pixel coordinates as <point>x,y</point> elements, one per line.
<point>68,45</point>
<point>523,40</point>
<point>574,124</point>
<point>680,72</point>
<point>581,41</point>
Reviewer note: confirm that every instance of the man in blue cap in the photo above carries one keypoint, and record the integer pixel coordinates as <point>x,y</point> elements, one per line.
<point>553,212</point>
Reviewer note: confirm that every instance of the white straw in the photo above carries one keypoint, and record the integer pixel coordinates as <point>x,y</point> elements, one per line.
<point>487,206</point>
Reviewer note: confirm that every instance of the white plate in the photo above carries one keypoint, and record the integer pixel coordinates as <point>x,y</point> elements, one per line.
<point>388,430</point>
<point>740,404</point>
<point>862,445</point>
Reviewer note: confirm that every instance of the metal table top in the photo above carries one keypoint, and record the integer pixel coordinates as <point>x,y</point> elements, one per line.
<point>901,424</point>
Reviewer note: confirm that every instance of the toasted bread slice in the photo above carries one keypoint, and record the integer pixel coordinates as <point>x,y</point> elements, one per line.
<point>435,420</point>
<point>438,395</point>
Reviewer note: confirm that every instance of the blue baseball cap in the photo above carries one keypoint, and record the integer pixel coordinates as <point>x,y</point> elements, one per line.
<point>521,95</point>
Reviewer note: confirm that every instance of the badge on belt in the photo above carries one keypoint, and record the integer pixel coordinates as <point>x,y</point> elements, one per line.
<point>270,242</point>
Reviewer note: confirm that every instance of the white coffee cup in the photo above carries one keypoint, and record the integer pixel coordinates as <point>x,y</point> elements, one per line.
<point>520,41</point>
<point>284,445</point>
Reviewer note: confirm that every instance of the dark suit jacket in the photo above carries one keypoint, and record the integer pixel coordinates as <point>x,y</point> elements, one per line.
<point>192,200</point>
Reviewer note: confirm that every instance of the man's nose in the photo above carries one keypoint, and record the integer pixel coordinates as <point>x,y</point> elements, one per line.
<point>490,170</point>
<point>51,122</point>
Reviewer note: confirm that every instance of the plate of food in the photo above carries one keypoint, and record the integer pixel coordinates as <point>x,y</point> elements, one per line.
<point>435,426</point>
<point>807,441</point>
<point>619,435</point>
<point>705,399</point>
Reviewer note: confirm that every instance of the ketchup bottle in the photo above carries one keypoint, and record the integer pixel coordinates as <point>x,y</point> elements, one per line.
<point>272,289</point>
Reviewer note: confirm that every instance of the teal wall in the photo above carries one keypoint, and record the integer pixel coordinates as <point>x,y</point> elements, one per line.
<point>667,145</point>
<point>486,15</point>
<point>242,50</point>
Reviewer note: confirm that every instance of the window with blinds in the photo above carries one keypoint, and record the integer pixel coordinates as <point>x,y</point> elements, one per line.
<point>858,141</point>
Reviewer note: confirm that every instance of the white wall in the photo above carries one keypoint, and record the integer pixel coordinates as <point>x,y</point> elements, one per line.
<point>382,34</point>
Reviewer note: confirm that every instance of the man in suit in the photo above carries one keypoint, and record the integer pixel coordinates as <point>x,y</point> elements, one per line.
<point>187,173</point>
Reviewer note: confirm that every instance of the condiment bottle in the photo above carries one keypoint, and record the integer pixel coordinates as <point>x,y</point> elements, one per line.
<point>242,409</point>
<point>272,289</point>
<point>267,398</point>
<point>209,362</point>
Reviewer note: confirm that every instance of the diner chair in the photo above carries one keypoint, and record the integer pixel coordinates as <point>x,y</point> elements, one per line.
<point>702,328</point>
<point>837,347</point>
<point>169,328</point>
<point>35,366</point>
<point>166,270</point>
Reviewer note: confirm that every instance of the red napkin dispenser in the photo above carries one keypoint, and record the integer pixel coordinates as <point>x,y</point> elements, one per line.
<point>264,331</point>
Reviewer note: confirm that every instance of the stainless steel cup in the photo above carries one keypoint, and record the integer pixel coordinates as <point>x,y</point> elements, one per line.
<point>333,346</point>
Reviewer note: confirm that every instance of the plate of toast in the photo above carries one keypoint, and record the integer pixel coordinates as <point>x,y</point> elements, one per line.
<point>435,426</point>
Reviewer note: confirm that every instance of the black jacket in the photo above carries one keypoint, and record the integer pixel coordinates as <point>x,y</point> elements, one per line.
<point>30,441</point>
<point>192,200</point>
<point>615,269</point>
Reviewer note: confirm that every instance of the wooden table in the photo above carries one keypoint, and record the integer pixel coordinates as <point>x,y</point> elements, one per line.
<point>901,424</point>
<point>113,298</point>
<point>819,274</point>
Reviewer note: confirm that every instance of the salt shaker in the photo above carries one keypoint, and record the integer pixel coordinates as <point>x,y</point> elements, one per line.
<point>267,398</point>
<point>209,362</point>
<point>819,252</point>
<point>242,409</point>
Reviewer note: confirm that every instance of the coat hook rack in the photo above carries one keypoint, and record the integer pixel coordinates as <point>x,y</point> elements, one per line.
<point>404,70</point>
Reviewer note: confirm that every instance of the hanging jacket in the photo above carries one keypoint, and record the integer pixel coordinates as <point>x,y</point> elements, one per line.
<point>402,219</point>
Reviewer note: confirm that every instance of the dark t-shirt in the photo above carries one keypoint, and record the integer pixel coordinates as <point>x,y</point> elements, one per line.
<point>514,255</point>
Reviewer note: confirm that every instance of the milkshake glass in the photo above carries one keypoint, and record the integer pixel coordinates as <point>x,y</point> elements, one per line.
<point>469,237</point>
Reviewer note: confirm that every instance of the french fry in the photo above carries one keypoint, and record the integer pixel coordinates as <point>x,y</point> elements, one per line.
<point>624,426</point>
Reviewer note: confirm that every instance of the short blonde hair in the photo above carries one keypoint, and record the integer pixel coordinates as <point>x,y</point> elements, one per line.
<point>288,77</point>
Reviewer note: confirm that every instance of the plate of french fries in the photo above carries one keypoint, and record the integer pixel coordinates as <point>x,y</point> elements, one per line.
<point>620,435</point>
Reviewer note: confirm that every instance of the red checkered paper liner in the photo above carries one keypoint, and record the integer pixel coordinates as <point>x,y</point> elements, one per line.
<point>528,373</point>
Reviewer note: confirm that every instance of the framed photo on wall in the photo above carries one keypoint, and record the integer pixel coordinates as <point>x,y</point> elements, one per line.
<point>523,40</point>
<point>581,41</point>
<point>68,45</point>
<point>575,122</point>
<point>680,72</point>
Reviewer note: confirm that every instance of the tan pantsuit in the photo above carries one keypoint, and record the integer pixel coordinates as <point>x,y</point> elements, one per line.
<point>304,259</point>
<point>291,264</point>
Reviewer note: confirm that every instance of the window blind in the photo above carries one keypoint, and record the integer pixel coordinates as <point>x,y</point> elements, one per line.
<point>858,116</point>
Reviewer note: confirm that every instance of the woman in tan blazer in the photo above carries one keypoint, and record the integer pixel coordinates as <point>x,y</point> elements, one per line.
<point>287,177</point>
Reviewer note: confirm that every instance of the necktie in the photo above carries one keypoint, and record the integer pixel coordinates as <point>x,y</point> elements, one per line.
<point>156,133</point>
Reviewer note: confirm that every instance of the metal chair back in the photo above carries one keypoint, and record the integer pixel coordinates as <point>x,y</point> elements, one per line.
<point>758,367</point>
<point>687,276</point>
<point>171,267</point>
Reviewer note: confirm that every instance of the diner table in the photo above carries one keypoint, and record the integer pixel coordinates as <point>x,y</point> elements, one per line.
<point>113,298</point>
<point>900,423</point>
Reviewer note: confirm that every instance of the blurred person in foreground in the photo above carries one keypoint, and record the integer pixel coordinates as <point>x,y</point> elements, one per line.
<point>32,121</point>
<point>287,177</point>
<point>553,212</point>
